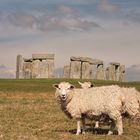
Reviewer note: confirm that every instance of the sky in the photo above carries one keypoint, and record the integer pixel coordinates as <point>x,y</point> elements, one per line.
<point>108,30</point>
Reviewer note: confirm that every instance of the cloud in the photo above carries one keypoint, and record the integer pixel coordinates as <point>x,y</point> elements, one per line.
<point>22,19</point>
<point>133,73</point>
<point>65,24</point>
<point>107,7</point>
<point>5,72</point>
<point>133,16</point>
<point>65,10</point>
<point>64,18</point>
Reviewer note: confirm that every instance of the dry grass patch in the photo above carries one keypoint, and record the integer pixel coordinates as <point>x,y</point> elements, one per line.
<point>36,116</point>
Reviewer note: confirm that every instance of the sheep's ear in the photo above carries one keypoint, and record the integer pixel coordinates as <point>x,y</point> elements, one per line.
<point>72,87</point>
<point>80,83</point>
<point>55,85</point>
<point>92,85</point>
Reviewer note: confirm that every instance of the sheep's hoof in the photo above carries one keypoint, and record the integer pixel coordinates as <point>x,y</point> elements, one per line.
<point>78,133</point>
<point>120,133</point>
<point>83,132</point>
<point>110,133</point>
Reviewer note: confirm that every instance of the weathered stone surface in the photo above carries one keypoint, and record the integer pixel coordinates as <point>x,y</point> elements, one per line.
<point>122,73</point>
<point>35,69</point>
<point>86,71</point>
<point>27,70</point>
<point>96,62</point>
<point>111,72</point>
<point>19,67</point>
<point>73,58</point>
<point>107,73</point>
<point>66,72</point>
<point>100,74</point>
<point>44,72</point>
<point>83,66</point>
<point>87,59</point>
<point>43,56</point>
<point>50,63</point>
<point>117,72</point>
<point>115,63</point>
<point>39,66</point>
<point>75,69</point>
<point>27,60</point>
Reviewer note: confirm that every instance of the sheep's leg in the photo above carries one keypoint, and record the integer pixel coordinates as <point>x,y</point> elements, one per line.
<point>117,122</point>
<point>119,125</point>
<point>112,127</point>
<point>78,126</point>
<point>83,125</point>
<point>96,124</point>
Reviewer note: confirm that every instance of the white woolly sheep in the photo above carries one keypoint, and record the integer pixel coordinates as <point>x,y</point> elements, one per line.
<point>131,101</point>
<point>81,103</point>
<point>86,85</point>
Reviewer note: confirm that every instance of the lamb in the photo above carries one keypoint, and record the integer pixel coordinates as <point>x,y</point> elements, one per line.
<point>91,102</point>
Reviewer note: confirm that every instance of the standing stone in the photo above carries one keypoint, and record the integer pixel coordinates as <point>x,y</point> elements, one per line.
<point>66,72</point>
<point>100,74</point>
<point>50,63</point>
<point>117,69</point>
<point>46,71</point>
<point>122,73</point>
<point>107,73</point>
<point>35,69</point>
<point>113,71</point>
<point>86,71</point>
<point>43,69</point>
<point>27,69</point>
<point>19,67</point>
<point>110,73</point>
<point>75,69</point>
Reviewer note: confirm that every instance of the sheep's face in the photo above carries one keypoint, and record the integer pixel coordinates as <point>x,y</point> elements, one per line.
<point>63,89</point>
<point>86,85</point>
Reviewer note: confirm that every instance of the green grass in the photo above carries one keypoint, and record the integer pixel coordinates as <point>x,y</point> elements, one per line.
<point>46,85</point>
<point>29,111</point>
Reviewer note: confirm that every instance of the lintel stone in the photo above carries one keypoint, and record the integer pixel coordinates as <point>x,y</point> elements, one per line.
<point>43,56</point>
<point>115,63</point>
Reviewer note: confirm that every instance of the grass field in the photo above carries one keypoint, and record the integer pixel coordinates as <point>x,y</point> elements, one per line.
<point>29,111</point>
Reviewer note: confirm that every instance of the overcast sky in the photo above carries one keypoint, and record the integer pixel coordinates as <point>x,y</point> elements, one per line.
<point>102,29</point>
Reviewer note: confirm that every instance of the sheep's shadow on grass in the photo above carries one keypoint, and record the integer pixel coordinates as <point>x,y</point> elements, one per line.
<point>96,131</point>
<point>89,129</point>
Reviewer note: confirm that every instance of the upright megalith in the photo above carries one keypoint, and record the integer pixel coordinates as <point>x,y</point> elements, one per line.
<point>75,68</point>
<point>113,71</point>
<point>115,67</point>
<point>86,70</point>
<point>122,73</point>
<point>27,68</point>
<point>39,66</point>
<point>100,73</point>
<point>44,66</point>
<point>19,67</point>
<point>82,67</point>
<point>35,68</point>
<point>66,72</point>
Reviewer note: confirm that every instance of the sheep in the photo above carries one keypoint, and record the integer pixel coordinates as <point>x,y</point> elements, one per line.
<point>90,85</point>
<point>91,102</point>
<point>131,101</point>
<point>86,85</point>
